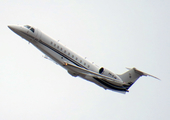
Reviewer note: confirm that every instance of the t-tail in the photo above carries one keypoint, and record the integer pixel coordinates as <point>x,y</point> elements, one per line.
<point>131,76</point>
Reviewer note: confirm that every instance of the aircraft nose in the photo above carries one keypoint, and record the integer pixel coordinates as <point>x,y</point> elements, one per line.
<point>15,28</point>
<point>12,27</point>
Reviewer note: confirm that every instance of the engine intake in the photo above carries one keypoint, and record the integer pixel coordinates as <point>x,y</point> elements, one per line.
<point>107,72</point>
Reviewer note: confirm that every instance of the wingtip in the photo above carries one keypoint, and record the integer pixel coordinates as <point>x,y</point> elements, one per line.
<point>155,77</point>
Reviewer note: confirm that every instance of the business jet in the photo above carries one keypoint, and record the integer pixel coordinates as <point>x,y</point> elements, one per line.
<point>77,65</point>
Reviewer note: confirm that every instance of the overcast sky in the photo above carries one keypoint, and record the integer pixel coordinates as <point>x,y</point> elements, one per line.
<point>112,33</point>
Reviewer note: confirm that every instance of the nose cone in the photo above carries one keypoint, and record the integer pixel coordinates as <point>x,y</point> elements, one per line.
<point>13,27</point>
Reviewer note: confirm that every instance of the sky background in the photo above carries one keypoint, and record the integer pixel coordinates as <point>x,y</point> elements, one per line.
<point>111,33</point>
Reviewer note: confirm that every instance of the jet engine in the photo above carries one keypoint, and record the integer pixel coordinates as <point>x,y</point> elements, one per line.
<point>107,72</point>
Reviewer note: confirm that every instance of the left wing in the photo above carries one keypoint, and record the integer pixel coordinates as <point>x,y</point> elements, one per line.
<point>106,82</point>
<point>79,71</point>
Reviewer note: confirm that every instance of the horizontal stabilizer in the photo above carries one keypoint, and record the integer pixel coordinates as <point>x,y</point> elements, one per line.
<point>143,73</point>
<point>131,76</point>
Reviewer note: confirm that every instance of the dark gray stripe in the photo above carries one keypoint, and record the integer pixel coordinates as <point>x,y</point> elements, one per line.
<point>62,54</point>
<point>109,85</point>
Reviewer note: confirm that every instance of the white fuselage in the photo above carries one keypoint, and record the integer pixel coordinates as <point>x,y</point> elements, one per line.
<point>61,54</point>
<point>58,52</point>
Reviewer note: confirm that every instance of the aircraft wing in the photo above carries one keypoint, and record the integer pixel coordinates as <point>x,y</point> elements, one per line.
<point>98,79</point>
<point>79,71</point>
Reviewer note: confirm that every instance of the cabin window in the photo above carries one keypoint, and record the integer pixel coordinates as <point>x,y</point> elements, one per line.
<point>72,56</point>
<point>76,58</point>
<point>84,63</point>
<point>61,49</point>
<point>80,61</point>
<point>51,42</point>
<point>54,45</point>
<point>57,47</point>
<point>64,51</point>
<point>68,53</point>
<point>88,66</point>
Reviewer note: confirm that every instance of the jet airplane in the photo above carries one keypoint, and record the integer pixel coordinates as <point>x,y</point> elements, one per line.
<point>77,65</point>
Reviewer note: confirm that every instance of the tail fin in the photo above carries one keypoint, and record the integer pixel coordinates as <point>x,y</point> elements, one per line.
<point>130,77</point>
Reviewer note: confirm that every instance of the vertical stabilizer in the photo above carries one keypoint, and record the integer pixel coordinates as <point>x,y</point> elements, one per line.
<point>130,77</point>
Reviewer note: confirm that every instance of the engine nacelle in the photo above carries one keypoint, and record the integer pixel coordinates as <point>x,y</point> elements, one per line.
<point>106,72</point>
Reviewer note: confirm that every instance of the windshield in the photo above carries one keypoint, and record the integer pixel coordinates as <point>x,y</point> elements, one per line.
<point>30,28</point>
<point>27,26</point>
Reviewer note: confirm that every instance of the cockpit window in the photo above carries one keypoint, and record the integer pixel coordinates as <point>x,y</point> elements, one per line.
<point>30,28</point>
<point>27,26</point>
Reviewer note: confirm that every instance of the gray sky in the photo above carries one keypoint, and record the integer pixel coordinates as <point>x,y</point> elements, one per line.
<point>112,33</point>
